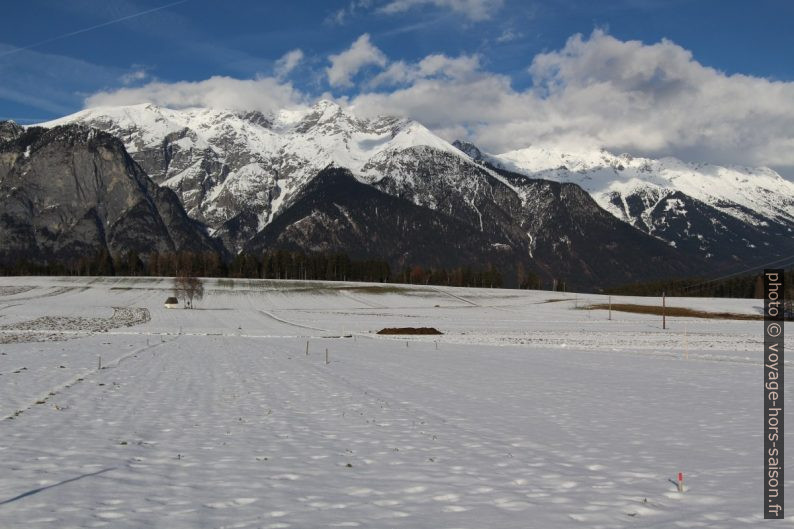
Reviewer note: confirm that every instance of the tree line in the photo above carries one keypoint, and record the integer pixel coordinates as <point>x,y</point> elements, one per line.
<point>272,264</point>
<point>742,286</point>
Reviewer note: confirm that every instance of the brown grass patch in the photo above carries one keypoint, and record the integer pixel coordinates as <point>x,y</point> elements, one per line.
<point>675,312</point>
<point>409,330</point>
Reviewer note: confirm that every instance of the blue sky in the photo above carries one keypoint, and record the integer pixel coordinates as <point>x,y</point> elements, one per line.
<point>396,50</point>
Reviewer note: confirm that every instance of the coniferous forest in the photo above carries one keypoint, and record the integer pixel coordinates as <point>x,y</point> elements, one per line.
<point>285,264</point>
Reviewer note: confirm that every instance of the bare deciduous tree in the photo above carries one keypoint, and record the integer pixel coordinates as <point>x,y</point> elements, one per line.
<point>188,287</point>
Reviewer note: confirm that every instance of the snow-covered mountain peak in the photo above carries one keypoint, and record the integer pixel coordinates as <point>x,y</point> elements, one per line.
<point>224,162</point>
<point>236,170</point>
<point>741,192</point>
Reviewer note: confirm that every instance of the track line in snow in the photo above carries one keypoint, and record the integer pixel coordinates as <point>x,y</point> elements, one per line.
<point>455,296</point>
<point>76,380</point>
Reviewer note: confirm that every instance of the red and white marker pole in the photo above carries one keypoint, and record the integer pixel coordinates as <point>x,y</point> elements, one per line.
<point>680,482</point>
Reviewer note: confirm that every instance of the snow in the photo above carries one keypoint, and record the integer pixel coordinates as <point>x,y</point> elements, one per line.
<point>528,411</point>
<point>602,173</point>
<point>300,143</point>
<point>296,143</point>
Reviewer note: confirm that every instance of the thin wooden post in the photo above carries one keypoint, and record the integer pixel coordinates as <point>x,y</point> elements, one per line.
<point>610,308</point>
<point>307,347</point>
<point>664,311</point>
<point>686,344</point>
<point>326,356</point>
<point>99,363</point>
<point>680,482</point>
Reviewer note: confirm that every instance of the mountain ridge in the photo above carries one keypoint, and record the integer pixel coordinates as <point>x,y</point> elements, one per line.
<point>558,213</point>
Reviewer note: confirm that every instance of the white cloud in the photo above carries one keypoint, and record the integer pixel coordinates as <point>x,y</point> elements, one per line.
<point>341,16</point>
<point>509,35</point>
<point>288,62</point>
<point>433,66</point>
<point>597,91</point>
<point>265,94</point>
<point>134,76</point>
<point>347,64</point>
<point>602,92</point>
<point>472,9</point>
<point>49,82</point>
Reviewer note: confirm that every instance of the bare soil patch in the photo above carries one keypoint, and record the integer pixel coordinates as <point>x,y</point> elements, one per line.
<point>410,330</point>
<point>675,312</point>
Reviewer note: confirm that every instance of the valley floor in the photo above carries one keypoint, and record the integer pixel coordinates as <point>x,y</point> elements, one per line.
<point>530,411</point>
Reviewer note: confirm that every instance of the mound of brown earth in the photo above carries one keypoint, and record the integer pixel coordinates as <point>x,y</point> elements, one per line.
<point>410,330</point>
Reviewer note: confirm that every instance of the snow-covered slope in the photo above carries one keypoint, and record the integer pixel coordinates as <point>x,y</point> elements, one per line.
<point>725,214</point>
<point>523,414</point>
<point>742,192</point>
<point>237,171</point>
<point>224,164</point>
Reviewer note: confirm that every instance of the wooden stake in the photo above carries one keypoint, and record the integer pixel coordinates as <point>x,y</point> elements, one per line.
<point>680,482</point>
<point>326,356</point>
<point>99,363</point>
<point>307,347</point>
<point>610,308</point>
<point>664,311</point>
<point>686,344</point>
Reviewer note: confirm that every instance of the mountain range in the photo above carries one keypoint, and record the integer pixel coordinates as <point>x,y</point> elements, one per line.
<point>323,179</point>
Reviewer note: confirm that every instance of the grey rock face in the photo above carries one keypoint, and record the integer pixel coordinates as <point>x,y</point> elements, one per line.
<point>9,131</point>
<point>72,191</point>
<point>247,176</point>
<point>338,213</point>
<point>470,149</point>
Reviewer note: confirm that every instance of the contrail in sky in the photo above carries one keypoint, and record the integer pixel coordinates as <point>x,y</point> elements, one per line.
<point>84,30</point>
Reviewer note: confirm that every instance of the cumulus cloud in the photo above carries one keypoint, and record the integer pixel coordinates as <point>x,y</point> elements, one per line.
<point>265,94</point>
<point>599,91</point>
<point>347,64</point>
<point>595,92</point>
<point>288,62</point>
<point>473,9</point>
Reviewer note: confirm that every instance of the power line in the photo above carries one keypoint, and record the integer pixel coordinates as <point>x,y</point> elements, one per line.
<point>741,272</point>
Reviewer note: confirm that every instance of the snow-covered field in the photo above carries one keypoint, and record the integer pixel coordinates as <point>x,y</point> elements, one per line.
<point>528,412</point>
